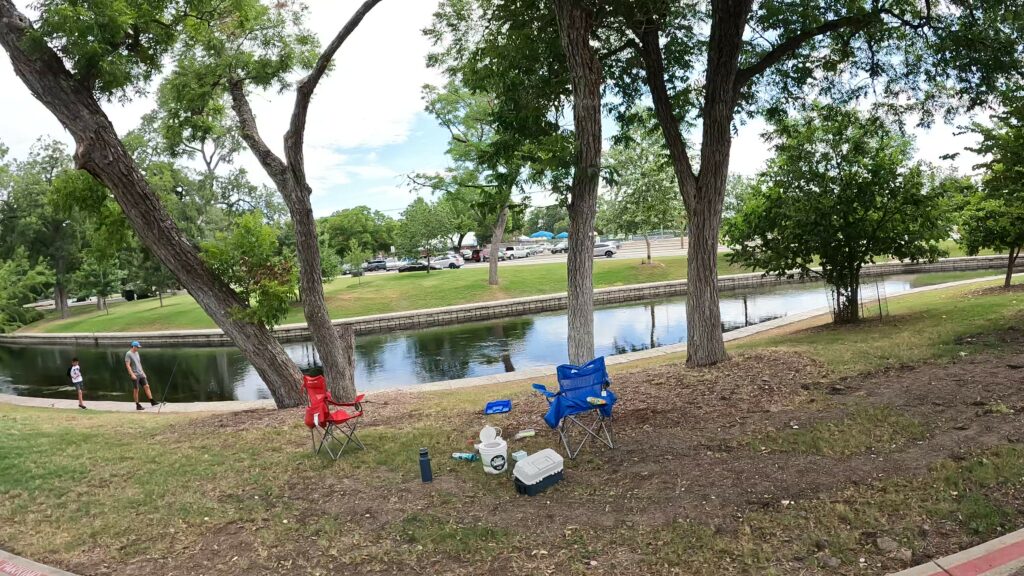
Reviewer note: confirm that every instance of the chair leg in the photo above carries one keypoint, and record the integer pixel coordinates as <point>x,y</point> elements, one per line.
<point>600,429</point>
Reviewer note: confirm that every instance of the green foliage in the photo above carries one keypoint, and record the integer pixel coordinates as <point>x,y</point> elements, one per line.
<point>553,218</point>
<point>249,258</point>
<point>355,257</point>
<point>330,262</point>
<point>993,214</point>
<point>99,276</point>
<point>841,190</point>
<point>115,46</point>
<point>511,52</point>
<point>643,194</point>
<point>426,229</point>
<point>21,283</point>
<point>370,228</point>
<point>484,172</point>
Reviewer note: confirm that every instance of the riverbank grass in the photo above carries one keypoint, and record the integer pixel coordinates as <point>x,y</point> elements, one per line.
<point>380,294</point>
<point>738,491</point>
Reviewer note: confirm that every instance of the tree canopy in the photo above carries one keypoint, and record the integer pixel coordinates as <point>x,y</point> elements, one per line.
<point>842,190</point>
<point>993,214</point>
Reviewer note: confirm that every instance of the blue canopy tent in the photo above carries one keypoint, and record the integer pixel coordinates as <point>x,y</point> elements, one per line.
<point>562,235</point>
<point>542,234</point>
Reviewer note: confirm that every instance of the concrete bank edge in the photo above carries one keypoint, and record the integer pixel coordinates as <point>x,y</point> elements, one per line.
<point>451,315</point>
<point>533,372</point>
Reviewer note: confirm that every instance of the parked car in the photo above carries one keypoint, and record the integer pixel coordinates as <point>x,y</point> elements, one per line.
<point>513,252</point>
<point>479,255</point>
<point>534,250</point>
<point>451,261</point>
<point>606,249</point>
<point>466,253</point>
<point>414,267</point>
<point>376,266</point>
<point>560,248</point>
<point>394,264</point>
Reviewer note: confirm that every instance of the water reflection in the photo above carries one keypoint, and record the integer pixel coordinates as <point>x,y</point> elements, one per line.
<point>401,358</point>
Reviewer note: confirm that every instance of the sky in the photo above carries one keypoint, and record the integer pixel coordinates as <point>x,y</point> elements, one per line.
<point>367,129</point>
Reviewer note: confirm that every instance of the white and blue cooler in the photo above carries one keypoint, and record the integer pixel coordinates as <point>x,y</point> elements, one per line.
<point>538,472</point>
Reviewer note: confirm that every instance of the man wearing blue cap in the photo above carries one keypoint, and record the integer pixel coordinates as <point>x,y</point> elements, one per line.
<point>134,365</point>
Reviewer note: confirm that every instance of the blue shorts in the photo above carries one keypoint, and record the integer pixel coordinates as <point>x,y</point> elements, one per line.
<point>79,385</point>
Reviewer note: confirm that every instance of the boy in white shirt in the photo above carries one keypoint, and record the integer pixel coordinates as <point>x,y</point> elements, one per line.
<point>77,380</point>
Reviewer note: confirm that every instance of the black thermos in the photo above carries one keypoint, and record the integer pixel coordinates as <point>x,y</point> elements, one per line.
<point>425,474</point>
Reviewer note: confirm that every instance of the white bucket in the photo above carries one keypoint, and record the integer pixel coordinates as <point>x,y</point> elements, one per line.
<point>494,455</point>
<point>493,450</point>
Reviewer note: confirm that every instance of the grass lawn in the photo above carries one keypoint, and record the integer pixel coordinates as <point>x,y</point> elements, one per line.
<point>798,457</point>
<point>382,293</point>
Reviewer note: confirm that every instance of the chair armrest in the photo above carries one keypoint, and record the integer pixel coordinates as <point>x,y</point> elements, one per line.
<point>359,400</point>
<point>544,390</point>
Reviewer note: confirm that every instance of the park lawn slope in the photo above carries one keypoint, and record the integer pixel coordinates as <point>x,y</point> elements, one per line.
<point>790,459</point>
<point>382,293</point>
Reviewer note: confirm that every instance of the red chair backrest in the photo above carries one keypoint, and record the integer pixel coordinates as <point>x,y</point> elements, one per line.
<point>315,386</point>
<point>316,393</point>
<point>317,414</point>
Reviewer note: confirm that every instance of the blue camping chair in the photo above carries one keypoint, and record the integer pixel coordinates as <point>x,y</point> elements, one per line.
<point>582,394</point>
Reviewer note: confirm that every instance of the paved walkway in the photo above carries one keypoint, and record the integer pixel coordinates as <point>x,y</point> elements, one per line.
<point>1000,557</point>
<point>11,565</point>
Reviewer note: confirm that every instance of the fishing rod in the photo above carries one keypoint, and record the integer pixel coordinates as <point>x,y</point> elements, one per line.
<point>167,386</point>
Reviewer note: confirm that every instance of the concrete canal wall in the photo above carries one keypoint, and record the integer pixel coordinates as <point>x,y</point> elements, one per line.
<point>486,310</point>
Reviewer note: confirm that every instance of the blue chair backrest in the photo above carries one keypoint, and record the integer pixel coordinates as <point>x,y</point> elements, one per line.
<point>579,382</point>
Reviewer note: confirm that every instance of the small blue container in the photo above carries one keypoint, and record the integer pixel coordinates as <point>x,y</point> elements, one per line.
<point>498,407</point>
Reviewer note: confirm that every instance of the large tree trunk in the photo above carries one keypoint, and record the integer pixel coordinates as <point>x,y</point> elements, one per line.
<point>499,232</point>
<point>338,360</point>
<point>290,178</point>
<point>60,298</point>
<point>1011,261</point>
<point>575,24</point>
<point>101,153</point>
<point>702,195</point>
<point>704,344</point>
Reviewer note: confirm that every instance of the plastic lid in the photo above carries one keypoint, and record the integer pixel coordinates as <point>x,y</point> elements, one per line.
<point>488,434</point>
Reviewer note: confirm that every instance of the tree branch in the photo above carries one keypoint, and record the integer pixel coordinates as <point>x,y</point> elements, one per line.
<point>275,167</point>
<point>293,139</point>
<point>790,45</point>
<point>654,68</point>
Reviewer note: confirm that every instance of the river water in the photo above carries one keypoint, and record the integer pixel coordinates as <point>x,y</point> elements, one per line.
<point>407,357</point>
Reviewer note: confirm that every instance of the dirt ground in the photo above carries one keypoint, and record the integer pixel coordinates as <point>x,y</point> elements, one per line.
<point>682,455</point>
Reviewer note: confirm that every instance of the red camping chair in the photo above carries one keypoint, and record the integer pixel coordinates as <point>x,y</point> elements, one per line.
<point>324,423</point>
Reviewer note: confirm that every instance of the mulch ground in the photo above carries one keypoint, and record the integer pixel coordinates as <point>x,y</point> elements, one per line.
<point>680,456</point>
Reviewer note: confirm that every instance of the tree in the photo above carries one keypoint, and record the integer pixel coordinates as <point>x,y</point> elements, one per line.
<point>248,45</point>
<point>370,228</point>
<point>479,185</point>
<point>758,58</point>
<point>842,190</point>
<point>21,283</point>
<point>355,257</point>
<point>151,275</point>
<point>99,276</point>
<point>553,218</point>
<point>73,58</point>
<point>330,262</point>
<point>993,215</point>
<point>643,195</point>
<point>425,230</point>
<point>36,215</point>
<point>576,32</point>
<point>250,259</point>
